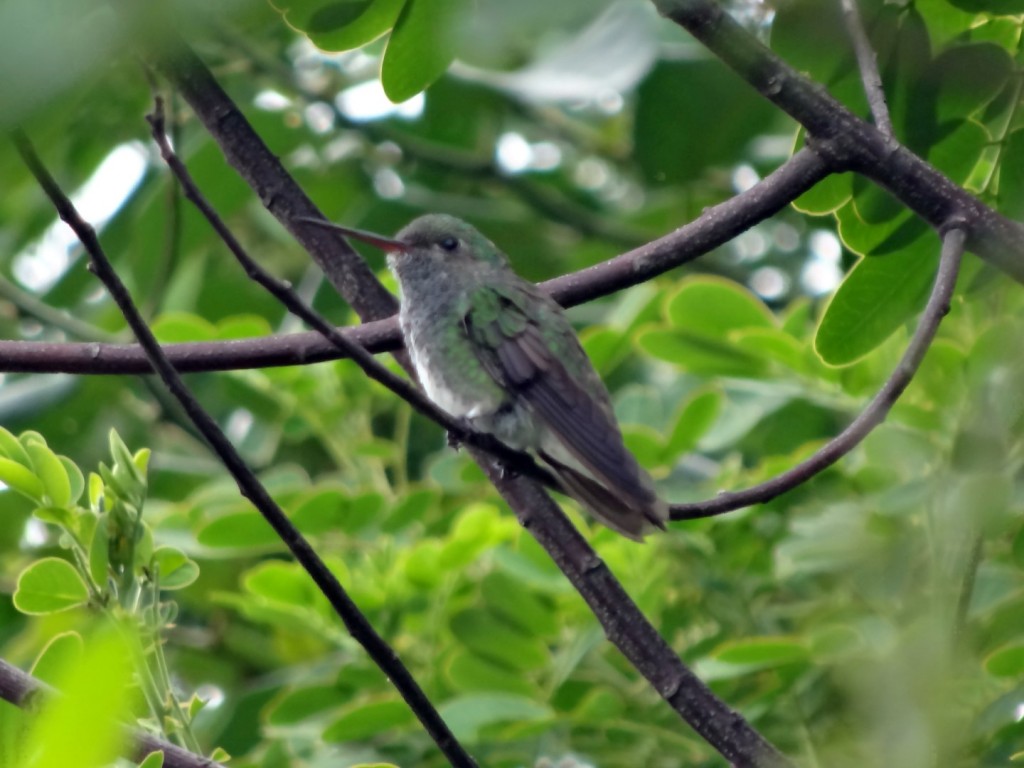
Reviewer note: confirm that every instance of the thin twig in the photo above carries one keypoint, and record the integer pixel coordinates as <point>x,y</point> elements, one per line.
<point>29,304</point>
<point>876,411</point>
<point>358,625</point>
<point>283,292</point>
<point>867,61</point>
<point>263,171</point>
<point>25,691</point>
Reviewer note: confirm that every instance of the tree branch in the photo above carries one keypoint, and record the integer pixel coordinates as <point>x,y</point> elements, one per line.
<point>356,623</point>
<point>282,291</point>
<point>628,629</point>
<point>23,690</point>
<point>938,306</point>
<point>262,170</point>
<point>716,226</point>
<point>867,61</point>
<point>849,142</point>
<point>624,624</point>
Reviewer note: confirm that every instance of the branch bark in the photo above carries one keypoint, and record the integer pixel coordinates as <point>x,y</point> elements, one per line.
<point>716,226</point>
<point>849,142</point>
<point>23,690</point>
<point>249,486</point>
<point>624,624</point>
<point>874,414</point>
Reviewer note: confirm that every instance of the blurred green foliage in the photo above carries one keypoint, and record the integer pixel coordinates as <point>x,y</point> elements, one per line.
<point>869,617</point>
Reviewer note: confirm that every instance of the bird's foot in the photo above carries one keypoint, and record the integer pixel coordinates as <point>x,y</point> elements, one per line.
<point>456,439</point>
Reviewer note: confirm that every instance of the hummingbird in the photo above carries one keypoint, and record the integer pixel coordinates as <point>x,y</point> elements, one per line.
<point>492,349</point>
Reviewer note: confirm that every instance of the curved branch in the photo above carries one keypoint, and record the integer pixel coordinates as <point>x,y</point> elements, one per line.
<point>874,414</point>
<point>356,623</point>
<point>717,225</point>
<point>848,141</point>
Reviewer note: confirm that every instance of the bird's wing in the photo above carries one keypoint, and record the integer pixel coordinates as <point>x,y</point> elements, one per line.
<point>553,376</point>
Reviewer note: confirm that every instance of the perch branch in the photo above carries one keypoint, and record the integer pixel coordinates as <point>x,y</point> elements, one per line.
<point>874,414</point>
<point>717,225</point>
<point>356,623</point>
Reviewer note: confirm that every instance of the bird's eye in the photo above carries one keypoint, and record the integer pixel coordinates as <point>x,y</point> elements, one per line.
<point>449,243</point>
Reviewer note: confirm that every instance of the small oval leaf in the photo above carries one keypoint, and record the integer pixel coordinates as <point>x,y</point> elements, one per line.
<point>49,585</point>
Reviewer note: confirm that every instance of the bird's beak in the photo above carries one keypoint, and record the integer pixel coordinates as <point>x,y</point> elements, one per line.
<point>387,244</point>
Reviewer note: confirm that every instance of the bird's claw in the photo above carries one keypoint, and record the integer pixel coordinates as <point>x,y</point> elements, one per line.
<point>456,439</point>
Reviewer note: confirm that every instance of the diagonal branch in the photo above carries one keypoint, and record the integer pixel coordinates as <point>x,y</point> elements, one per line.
<point>849,142</point>
<point>867,61</point>
<point>23,690</point>
<point>624,623</point>
<point>283,292</point>
<point>874,414</point>
<point>356,623</point>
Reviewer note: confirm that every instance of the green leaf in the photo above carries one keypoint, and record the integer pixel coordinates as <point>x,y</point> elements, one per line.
<point>967,78</point>
<point>762,651</point>
<point>826,196</point>
<point>302,702</point>
<point>153,760</point>
<point>696,415</point>
<point>878,296</point>
<point>698,354</point>
<point>49,585</point>
<point>362,721</point>
<point>22,480</point>
<point>341,25</point>
<point>1011,176</point>
<point>485,634</point>
<point>62,652</point>
<point>959,150</point>
<point>12,448</point>
<point>93,705</point>
<point>241,530</point>
<point>243,327</point>
<point>175,567</point>
<point>76,481</point>
<point>420,564</point>
<point>50,470</point>
<point>997,7</point>
<point>517,605</point>
<point>772,344</point>
<point>469,672</point>
<point>469,713</point>
<point>61,516</point>
<point>321,511</point>
<point>714,307</point>
<point>422,45</point>
<point>1006,662</point>
<point>177,327</point>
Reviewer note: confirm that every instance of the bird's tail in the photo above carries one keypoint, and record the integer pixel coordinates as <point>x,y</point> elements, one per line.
<point>632,519</point>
